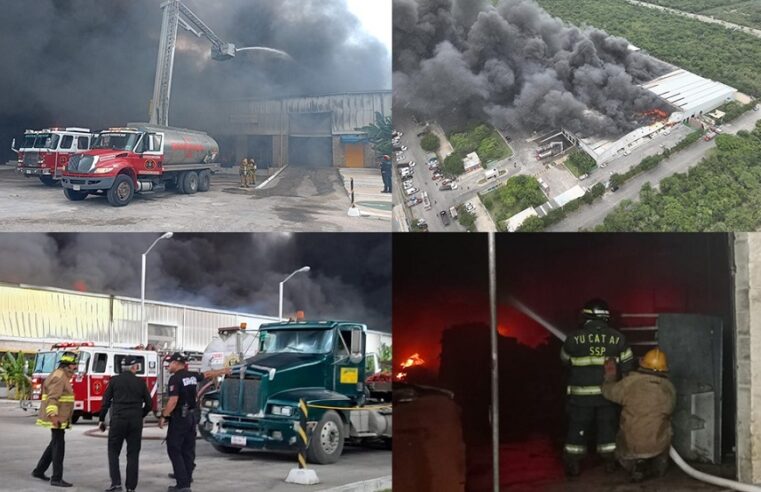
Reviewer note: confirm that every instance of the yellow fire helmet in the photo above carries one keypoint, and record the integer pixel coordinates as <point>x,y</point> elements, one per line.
<point>655,360</point>
<point>69,358</point>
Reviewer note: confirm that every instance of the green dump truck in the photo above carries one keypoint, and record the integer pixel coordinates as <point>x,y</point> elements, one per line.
<point>321,362</point>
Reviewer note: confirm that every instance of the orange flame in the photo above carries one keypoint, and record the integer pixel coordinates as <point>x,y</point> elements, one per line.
<point>80,286</point>
<point>412,360</point>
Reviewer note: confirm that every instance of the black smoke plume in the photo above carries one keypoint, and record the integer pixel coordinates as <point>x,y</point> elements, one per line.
<point>92,63</point>
<point>515,65</point>
<point>349,279</point>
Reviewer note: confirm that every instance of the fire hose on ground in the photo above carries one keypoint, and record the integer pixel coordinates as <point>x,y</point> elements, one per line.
<point>698,475</point>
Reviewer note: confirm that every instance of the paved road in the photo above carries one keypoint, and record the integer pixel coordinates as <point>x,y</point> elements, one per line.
<point>86,463</point>
<point>440,200</point>
<point>702,18</point>
<point>297,200</point>
<point>588,217</point>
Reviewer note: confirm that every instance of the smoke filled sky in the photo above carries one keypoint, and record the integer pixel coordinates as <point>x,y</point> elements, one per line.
<point>92,63</point>
<point>514,64</point>
<point>349,279</point>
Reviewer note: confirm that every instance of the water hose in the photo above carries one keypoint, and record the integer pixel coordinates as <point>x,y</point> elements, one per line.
<point>697,475</point>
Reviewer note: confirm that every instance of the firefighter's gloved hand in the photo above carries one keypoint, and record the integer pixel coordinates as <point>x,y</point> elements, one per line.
<point>102,426</point>
<point>611,369</point>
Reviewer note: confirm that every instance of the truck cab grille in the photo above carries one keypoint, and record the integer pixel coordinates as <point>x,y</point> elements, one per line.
<point>30,159</point>
<point>241,396</point>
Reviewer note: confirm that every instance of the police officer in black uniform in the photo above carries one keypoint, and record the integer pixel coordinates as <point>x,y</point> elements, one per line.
<point>385,168</point>
<point>181,436</point>
<point>130,401</point>
<point>585,351</point>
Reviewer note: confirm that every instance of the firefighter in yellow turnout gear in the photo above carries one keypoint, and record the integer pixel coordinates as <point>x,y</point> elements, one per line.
<point>585,352</point>
<point>56,409</point>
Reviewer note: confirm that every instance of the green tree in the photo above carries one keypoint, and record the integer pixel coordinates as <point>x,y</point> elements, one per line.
<point>379,134</point>
<point>453,165</point>
<point>430,142</point>
<point>14,374</point>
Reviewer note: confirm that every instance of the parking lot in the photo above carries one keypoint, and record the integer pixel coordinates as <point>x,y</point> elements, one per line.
<point>86,462</point>
<point>298,199</point>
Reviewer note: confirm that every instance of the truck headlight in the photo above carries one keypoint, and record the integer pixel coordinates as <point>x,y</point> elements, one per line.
<point>211,403</point>
<point>104,170</point>
<point>284,411</point>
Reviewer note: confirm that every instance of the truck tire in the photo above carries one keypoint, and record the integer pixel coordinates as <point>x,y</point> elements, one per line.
<point>226,449</point>
<point>121,192</point>
<point>75,417</point>
<point>74,196</point>
<point>189,182</point>
<point>204,181</point>
<point>327,440</point>
<point>48,181</point>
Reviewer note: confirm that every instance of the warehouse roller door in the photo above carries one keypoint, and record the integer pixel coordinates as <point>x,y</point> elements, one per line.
<point>354,154</point>
<point>310,142</point>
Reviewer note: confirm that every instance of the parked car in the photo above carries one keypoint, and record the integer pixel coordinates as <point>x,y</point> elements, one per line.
<point>415,200</point>
<point>444,218</point>
<point>411,191</point>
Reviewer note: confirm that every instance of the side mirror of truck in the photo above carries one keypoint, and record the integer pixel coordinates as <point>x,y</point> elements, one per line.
<point>13,146</point>
<point>356,354</point>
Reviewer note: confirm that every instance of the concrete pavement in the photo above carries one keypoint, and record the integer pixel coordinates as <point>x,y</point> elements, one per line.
<point>367,192</point>
<point>86,463</point>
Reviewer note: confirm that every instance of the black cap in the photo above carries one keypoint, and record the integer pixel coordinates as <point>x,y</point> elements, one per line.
<point>130,360</point>
<point>178,356</point>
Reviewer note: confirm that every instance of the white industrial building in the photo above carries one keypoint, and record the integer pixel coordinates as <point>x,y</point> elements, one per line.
<point>689,94</point>
<point>33,318</point>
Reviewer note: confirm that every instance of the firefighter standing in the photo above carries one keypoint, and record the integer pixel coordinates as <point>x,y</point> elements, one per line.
<point>56,409</point>
<point>385,169</point>
<point>131,403</point>
<point>586,351</point>
<point>244,173</point>
<point>252,171</point>
<point>647,399</point>
<point>181,436</point>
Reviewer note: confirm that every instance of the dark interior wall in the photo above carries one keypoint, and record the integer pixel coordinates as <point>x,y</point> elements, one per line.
<point>310,151</point>
<point>440,293</point>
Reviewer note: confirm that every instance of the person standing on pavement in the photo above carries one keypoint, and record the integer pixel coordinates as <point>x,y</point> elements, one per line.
<point>181,436</point>
<point>243,171</point>
<point>252,171</point>
<point>130,401</point>
<point>385,169</point>
<point>648,399</point>
<point>56,409</point>
<point>585,352</point>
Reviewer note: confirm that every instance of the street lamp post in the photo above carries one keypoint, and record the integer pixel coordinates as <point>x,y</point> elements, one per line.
<point>143,326</point>
<point>300,270</point>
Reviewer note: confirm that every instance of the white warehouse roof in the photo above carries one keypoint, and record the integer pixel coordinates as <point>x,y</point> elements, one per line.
<point>688,91</point>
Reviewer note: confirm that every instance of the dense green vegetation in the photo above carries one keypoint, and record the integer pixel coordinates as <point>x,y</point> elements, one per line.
<point>710,50</point>
<point>430,142</point>
<point>467,219</point>
<point>452,166</point>
<point>743,12</point>
<point>379,134</point>
<point>735,109</point>
<point>481,139</point>
<point>722,193</point>
<point>518,193</point>
<point>579,162</point>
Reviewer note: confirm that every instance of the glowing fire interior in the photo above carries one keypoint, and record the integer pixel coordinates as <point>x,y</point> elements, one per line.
<point>412,360</point>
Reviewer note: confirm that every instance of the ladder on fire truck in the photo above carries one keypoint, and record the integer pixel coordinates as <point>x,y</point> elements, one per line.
<point>177,14</point>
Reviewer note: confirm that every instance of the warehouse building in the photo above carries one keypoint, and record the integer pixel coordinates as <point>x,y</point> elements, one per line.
<point>312,131</point>
<point>33,318</point>
<point>690,95</point>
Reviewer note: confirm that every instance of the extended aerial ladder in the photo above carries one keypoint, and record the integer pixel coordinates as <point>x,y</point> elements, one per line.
<point>177,14</point>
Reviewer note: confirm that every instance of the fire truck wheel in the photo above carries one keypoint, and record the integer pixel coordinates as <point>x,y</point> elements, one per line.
<point>327,440</point>
<point>75,417</point>
<point>226,449</point>
<point>48,181</point>
<point>74,196</point>
<point>204,180</point>
<point>121,192</point>
<point>189,182</point>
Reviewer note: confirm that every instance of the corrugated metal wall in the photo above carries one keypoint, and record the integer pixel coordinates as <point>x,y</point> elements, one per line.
<point>32,317</point>
<point>270,117</point>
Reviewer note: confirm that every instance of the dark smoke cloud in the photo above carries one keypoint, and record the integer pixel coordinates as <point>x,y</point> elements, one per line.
<point>514,64</point>
<point>92,62</point>
<point>350,276</point>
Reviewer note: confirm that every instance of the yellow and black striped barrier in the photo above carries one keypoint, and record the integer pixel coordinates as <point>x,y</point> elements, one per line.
<point>303,439</point>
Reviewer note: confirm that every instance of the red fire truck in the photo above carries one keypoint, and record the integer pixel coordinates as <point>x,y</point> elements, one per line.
<point>45,153</point>
<point>97,365</point>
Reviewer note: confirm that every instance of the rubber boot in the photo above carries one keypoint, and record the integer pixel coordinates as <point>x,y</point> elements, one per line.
<point>610,462</point>
<point>572,465</point>
<point>639,471</point>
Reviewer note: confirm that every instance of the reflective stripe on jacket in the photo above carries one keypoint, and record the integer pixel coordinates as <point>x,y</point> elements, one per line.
<point>57,399</point>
